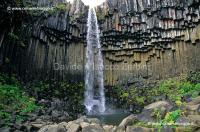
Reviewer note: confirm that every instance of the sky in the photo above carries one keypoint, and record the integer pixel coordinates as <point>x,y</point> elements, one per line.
<point>91,3</point>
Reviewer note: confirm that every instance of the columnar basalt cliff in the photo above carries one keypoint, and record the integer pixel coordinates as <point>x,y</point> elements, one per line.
<point>56,48</point>
<point>152,39</point>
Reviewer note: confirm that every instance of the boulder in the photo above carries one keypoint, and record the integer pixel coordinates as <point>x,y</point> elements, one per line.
<point>194,101</point>
<point>193,107</point>
<point>194,119</point>
<point>147,114</point>
<point>108,128</point>
<point>53,128</point>
<point>37,126</point>
<point>94,120</point>
<point>126,121</point>
<point>72,127</point>
<point>158,105</point>
<point>93,128</point>
<point>84,124</point>
<point>182,121</point>
<point>81,119</point>
<point>138,129</point>
<point>185,129</point>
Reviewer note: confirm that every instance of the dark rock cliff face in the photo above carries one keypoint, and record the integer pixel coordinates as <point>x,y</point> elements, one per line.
<point>56,47</point>
<point>152,39</point>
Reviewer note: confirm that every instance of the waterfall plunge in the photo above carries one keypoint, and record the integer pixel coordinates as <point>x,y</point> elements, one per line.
<point>94,66</point>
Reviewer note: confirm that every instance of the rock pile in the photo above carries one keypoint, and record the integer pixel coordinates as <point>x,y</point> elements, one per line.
<point>129,124</point>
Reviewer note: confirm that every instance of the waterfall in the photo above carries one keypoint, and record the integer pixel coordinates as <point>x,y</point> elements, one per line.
<point>94,66</point>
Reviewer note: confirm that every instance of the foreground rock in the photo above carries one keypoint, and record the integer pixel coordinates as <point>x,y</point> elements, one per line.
<point>127,121</point>
<point>147,114</point>
<point>136,123</point>
<point>53,128</point>
<point>193,107</point>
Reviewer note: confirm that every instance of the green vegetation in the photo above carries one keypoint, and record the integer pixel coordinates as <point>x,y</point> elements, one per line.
<point>13,36</point>
<point>61,7</point>
<point>72,93</point>
<point>173,90</point>
<point>169,120</point>
<point>13,99</point>
<point>16,39</point>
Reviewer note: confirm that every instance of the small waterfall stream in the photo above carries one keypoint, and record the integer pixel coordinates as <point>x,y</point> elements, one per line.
<point>94,67</point>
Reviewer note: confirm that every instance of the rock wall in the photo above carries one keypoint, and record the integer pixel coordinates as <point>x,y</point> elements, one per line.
<point>56,47</point>
<point>153,39</point>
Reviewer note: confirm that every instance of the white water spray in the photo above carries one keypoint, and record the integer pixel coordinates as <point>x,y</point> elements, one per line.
<point>94,66</point>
